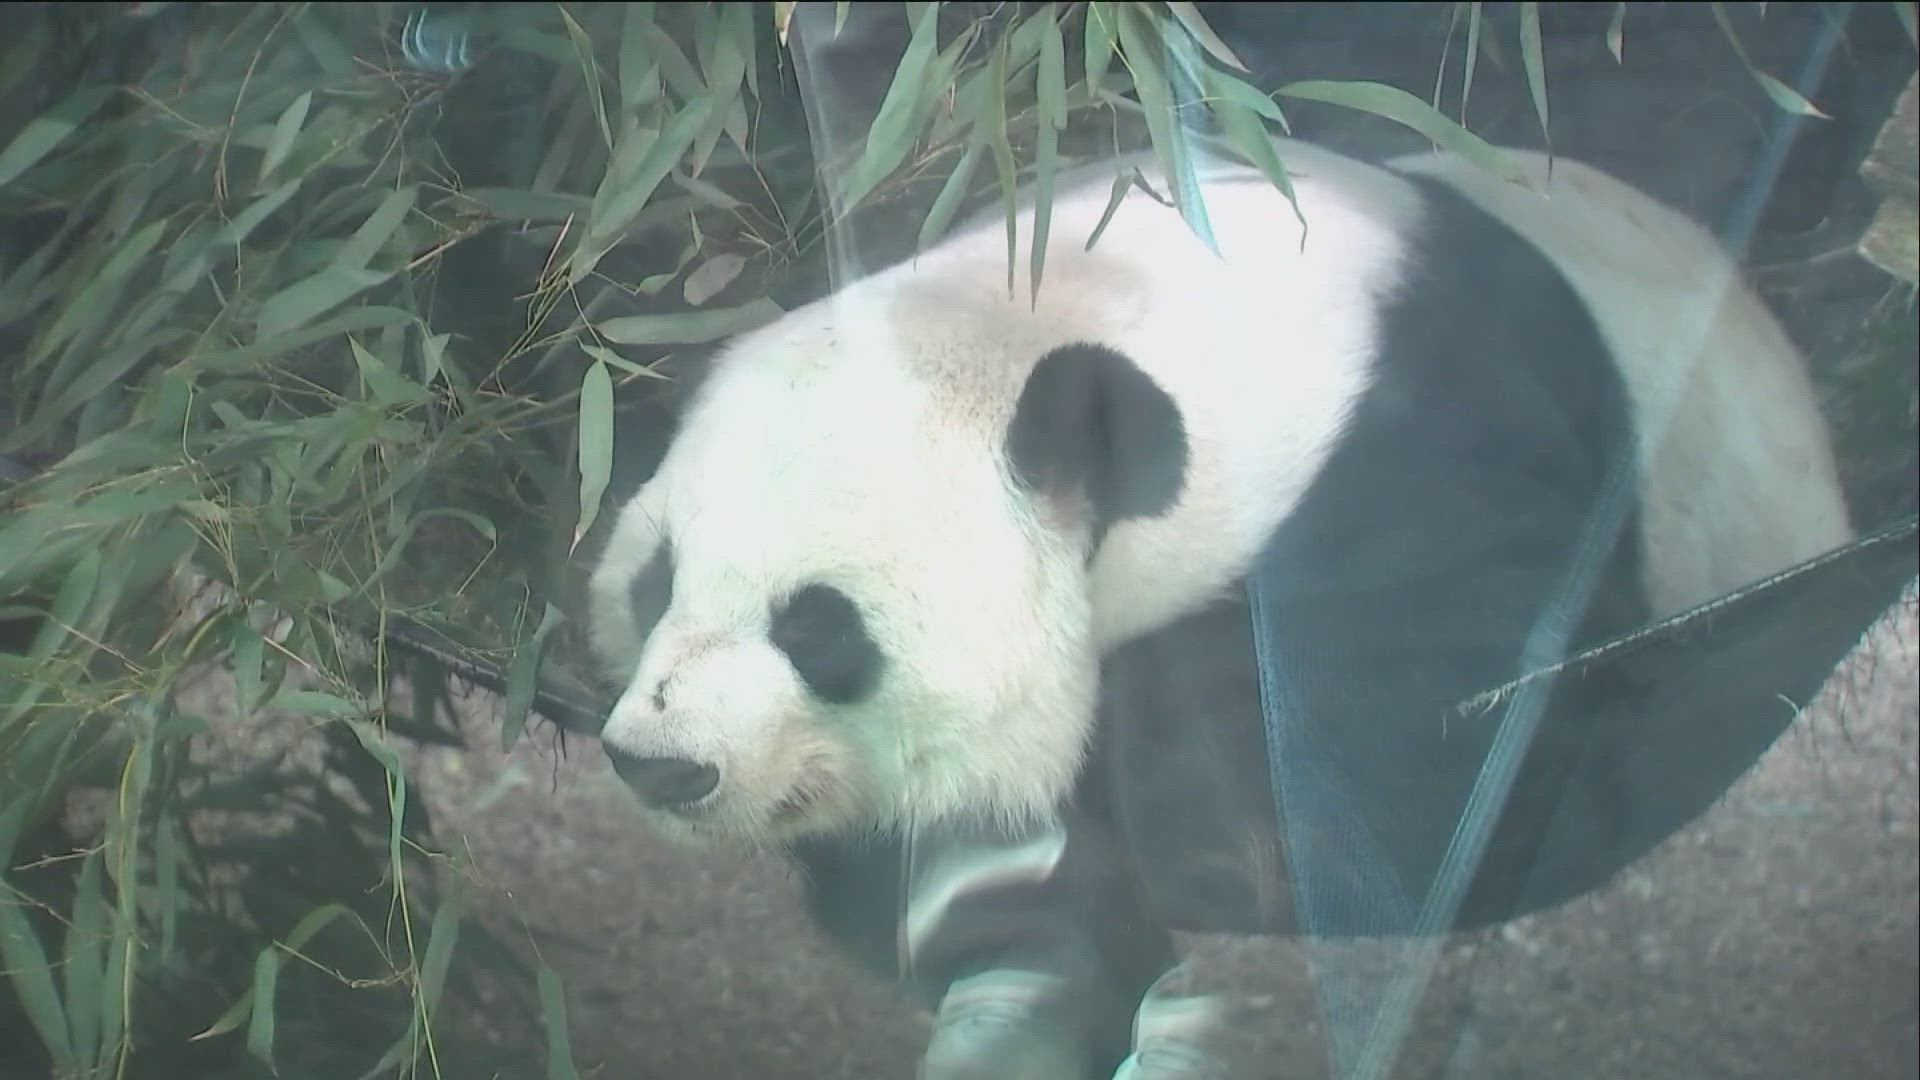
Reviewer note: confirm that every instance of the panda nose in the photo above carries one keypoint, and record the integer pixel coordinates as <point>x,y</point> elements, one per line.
<point>664,782</point>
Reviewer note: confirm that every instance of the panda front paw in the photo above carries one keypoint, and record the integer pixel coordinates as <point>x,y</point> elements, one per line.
<point>1169,1059</point>
<point>1005,1025</point>
<point>1173,1063</point>
<point>1181,1034</point>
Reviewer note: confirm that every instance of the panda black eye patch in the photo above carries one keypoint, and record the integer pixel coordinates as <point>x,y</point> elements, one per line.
<point>819,631</point>
<point>652,590</point>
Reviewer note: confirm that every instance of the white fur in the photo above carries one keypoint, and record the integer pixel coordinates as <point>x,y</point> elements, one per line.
<point>855,442</point>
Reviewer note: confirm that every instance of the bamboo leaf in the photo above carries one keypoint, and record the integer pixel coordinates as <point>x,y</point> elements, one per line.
<point>1446,46</point>
<point>595,443</point>
<point>1196,25</point>
<point>726,64</point>
<point>613,359</point>
<point>260,1024</point>
<point>626,203</point>
<point>1533,59</point>
<point>12,820</point>
<point>33,540</point>
<point>120,946</point>
<point>1250,137</point>
<point>675,67</point>
<point>376,745</point>
<point>1233,90</point>
<point>440,941</point>
<point>49,130</point>
<point>724,108</point>
<point>1101,32</point>
<point>1121,185</point>
<point>433,355</point>
<point>31,978</point>
<point>1786,97</point>
<point>689,327</point>
<point>1393,103</point>
<point>891,135</point>
<point>589,70</point>
<point>1142,50</point>
<point>313,922</point>
<point>29,284</point>
<point>311,297</point>
<point>90,384</point>
<point>82,965</point>
<point>639,71</point>
<point>995,122</point>
<point>1473,57</point>
<point>69,602</point>
<point>373,234</point>
<point>285,130</point>
<point>389,1064</point>
<point>1051,87</point>
<point>384,382</point>
<point>1191,73</point>
<point>705,192</point>
<point>951,193</point>
<point>524,204</point>
<point>553,1017</point>
<point>244,358</point>
<point>248,651</point>
<point>968,106</point>
<point>242,1008</point>
<point>256,212</point>
<point>95,301</point>
<point>1023,44</point>
<point>748,43</point>
<point>935,131</point>
<point>523,675</point>
<point>711,277</point>
<point>630,147</point>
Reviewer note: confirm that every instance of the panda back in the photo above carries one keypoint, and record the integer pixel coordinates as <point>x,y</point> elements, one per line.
<point>1737,476</point>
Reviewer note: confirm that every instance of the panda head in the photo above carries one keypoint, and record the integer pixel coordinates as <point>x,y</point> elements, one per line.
<point>855,592</point>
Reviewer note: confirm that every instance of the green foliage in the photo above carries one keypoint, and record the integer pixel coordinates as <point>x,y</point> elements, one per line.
<point>231,377</point>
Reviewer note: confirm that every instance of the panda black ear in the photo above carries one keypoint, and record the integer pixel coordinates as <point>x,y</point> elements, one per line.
<point>1091,429</point>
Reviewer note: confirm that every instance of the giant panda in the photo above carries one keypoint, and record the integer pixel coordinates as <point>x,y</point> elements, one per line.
<point>942,585</point>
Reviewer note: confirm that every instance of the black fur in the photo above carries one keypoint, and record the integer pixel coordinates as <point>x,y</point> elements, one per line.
<point>821,634</point>
<point>1434,540</point>
<point>1091,425</point>
<point>651,590</point>
<point>1407,580</point>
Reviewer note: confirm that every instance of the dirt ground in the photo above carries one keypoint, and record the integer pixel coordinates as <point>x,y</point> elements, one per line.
<point>1776,937</point>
